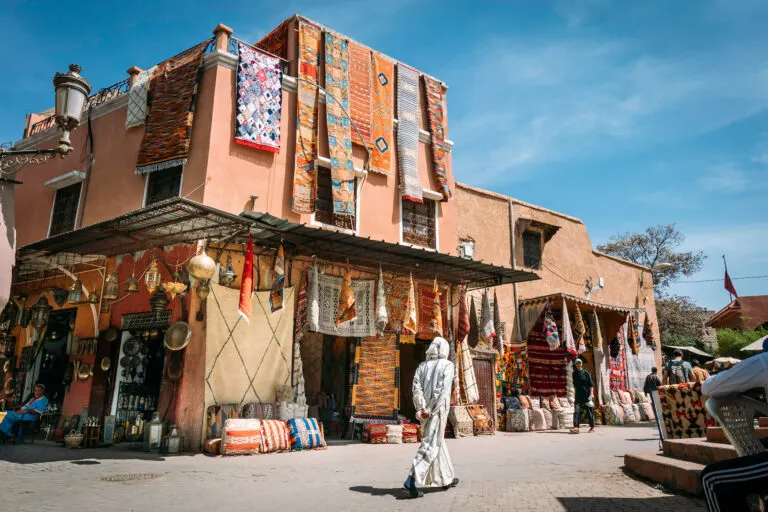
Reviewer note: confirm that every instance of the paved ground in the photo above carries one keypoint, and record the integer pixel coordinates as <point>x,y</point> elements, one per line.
<point>548,471</point>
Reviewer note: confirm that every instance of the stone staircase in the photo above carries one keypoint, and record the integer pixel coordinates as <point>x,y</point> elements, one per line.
<point>678,466</point>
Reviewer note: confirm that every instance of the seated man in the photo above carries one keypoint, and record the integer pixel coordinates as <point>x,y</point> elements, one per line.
<point>31,411</point>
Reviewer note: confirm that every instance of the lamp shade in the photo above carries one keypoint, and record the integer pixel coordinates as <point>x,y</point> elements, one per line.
<point>71,92</point>
<point>111,287</point>
<point>152,277</point>
<point>40,313</point>
<point>76,292</point>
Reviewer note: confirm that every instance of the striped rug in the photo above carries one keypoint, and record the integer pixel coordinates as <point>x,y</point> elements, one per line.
<point>408,133</point>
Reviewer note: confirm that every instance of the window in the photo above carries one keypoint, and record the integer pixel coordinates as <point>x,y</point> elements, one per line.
<point>165,184</point>
<point>532,249</point>
<point>467,249</point>
<point>419,227</point>
<point>64,212</point>
<point>324,203</point>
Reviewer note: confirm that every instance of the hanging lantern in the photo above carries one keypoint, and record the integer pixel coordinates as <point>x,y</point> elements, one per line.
<point>111,287</point>
<point>76,292</point>
<point>40,313</point>
<point>227,276</point>
<point>203,289</point>
<point>158,302</point>
<point>60,296</point>
<point>93,298</point>
<point>202,267</point>
<point>132,285</point>
<point>152,278</point>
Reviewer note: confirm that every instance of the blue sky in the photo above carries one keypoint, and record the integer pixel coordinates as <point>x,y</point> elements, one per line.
<point>625,114</point>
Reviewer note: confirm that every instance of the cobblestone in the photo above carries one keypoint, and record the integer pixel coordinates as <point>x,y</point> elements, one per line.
<point>547,471</point>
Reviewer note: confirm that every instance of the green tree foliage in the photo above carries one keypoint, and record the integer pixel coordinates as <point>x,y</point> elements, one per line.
<point>732,341</point>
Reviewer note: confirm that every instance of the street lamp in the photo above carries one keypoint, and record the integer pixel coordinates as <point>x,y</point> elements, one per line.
<point>71,92</point>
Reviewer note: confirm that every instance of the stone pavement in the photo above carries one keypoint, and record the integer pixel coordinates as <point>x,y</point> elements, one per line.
<point>547,471</point>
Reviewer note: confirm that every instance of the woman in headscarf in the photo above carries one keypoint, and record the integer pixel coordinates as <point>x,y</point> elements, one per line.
<point>432,466</point>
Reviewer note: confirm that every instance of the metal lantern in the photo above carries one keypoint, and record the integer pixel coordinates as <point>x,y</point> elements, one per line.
<point>93,298</point>
<point>40,313</point>
<point>153,433</point>
<point>111,287</point>
<point>132,285</point>
<point>71,93</point>
<point>202,267</point>
<point>158,302</point>
<point>227,276</point>
<point>152,277</point>
<point>60,296</point>
<point>203,289</point>
<point>173,440</point>
<point>76,292</point>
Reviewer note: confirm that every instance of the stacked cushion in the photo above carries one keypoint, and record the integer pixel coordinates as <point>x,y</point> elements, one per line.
<point>636,412</point>
<point>376,432</point>
<point>305,434</point>
<point>241,437</point>
<point>647,410</point>
<point>525,401</point>
<point>410,433</point>
<point>565,418</point>
<point>547,418</point>
<point>613,414</point>
<point>274,436</point>
<point>536,420</point>
<point>535,402</point>
<point>394,434</point>
<point>517,420</point>
<point>629,414</point>
<point>482,422</point>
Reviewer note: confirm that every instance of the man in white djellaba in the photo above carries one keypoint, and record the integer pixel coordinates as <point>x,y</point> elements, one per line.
<point>432,466</point>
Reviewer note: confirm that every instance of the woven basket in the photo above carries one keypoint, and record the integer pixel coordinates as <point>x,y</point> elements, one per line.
<point>73,440</point>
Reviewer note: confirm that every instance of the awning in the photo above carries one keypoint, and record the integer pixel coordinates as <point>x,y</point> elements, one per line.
<point>692,350</point>
<point>755,346</point>
<point>549,230</point>
<point>556,298</point>
<point>180,220</point>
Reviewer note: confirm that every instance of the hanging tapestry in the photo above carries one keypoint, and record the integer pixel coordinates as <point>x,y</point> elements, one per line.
<point>633,334</point>
<point>639,365</point>
<point>408,133</point>
<point>550,329</point>
<point>411,321</point>
<point>454,358</point>
<point>529,316</point>
<point>546,367</point>
<point>436,116</point>
<point>346,311</point>
<point>499,338</point>
<point>426,311</point>
<point>376,391</point>
<point>276,294</point>
<point>172,93</point>
<point>519,367</point>
<point>246,283</point>
<point>304,174</point>
<point>339,133</point>
<point>436,320</point>
<point>137,110</point>
<point>579,330</point>
<point>602,360</point>
<point>568,342</point>
<point>276,42</point>
<point>299,329</point>
<point>329,291</point>
<point>313,301</point>
<point>360,92</point>
<point>463,329</point>
<point>396,294</point>
<point>648,335</point>
<point>381,305</point>
<point>259,100</point>
<point>383,108</point>
<point>683,412</point>
<point>468,390</point>
<point>489,330</point>
<point>617,363</point>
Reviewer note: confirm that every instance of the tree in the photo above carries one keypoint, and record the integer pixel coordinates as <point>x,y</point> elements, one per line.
<point>681,321</point>
<point>731,341</point>
<point>656,248</point>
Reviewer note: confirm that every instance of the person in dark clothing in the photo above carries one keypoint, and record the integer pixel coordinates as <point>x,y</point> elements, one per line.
<point>582,383</point>
<point>652,381</point>
<point>513,401</point>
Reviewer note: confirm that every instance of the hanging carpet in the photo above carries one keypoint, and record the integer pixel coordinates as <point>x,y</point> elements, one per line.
<point>360,91</point>
<point>329,289</point>
<point>408,133</point>
<point>425,304</point>
<point>617,361</point>
<point>436,116</point>
<point>383,114</point>
<point>376,392</point>
<point>137,110</point>
<point>259,93</point>
<point>546,367</point>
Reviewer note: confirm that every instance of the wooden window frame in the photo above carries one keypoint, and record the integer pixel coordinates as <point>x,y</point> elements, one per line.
<point>77,208</point>
<point>149,177</point>
<point>405,235</point>
<point>540,236</point>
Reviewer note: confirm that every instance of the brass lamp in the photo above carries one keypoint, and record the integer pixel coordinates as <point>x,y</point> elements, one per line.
<point>132,285</point>
<point>227,276</point>
<point>75,292</point>
<point>111,287</point>
<point>41,312</point>
<point>152,278</point>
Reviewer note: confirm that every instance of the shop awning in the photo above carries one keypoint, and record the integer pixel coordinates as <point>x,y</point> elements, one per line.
<point>693,350</point>
<point>180,220</point>
<point>556,298</point>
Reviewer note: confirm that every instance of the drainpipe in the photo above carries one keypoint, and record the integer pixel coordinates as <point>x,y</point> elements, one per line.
<point>512,247</point>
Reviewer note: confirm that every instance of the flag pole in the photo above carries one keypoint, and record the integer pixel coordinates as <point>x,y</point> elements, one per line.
<point>725,264</point>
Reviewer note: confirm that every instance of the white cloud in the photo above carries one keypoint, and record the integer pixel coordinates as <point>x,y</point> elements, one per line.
<point>724,179</point>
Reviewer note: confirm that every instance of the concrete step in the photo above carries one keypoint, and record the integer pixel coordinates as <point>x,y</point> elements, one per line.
<point>674,474</point>
<point>763,422</point>
<point>717,435</point>
<point>698,450</point>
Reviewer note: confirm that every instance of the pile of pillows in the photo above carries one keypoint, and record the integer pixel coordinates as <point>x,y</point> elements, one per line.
<point>627,407</point>
<point>383,433</point>
<point>541,413</point>
<point>252,436</point>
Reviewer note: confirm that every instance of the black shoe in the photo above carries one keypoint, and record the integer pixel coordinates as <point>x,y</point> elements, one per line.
<point>451,485</point>
<point>413,492</point>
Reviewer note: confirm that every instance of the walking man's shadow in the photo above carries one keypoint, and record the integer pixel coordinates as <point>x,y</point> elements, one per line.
<point>397,492</point>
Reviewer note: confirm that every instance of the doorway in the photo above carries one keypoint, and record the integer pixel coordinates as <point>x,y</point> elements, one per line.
<point>335,384</point>
<point>54,356</point>
<point>411,355</point>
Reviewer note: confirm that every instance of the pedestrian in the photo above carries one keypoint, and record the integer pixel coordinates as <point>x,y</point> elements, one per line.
<point>512,402</point>
<point>30,411</point>
<point>699,373</point>
<point>652,381</point>
<point>583,385</point>
<point>432,466</point>
<point>677,371</point>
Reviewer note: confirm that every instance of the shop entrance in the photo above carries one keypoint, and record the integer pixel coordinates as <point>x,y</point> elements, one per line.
<point>335,384</point>
<point>411,355</point>
<point>53,357</point>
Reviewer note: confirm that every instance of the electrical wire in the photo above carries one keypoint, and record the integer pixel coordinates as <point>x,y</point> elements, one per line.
<point>721,279</point>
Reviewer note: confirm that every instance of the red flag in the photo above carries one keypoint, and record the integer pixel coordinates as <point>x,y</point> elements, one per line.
<point>729,285</point>
<point>246,285</point>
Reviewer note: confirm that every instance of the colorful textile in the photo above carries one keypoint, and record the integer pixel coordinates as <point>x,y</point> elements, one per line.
<point>383,108</point>
<point>410,320</point>
<point>339,132</point>
<point>482,422</point>
<point>274,436</point>
<point>436,320</point>
<point>137,109</point>
<point>410,433</point>
<point>375,433</point>
<point>276,42</point>
<point>382,318</point>
<point>304,174</point>
<point>172,94</point>
<point>396,295</point>
<point>216,417</point>
<point>346,311</point>
<point>517,420</point>
<point>246,283</point>
<point>597,335</point>
<point>313,301</point>
<point>546,367</point>
<point>436,116</point>
<point>486,319</point>
<point>428,314</point>
<point>518,353</point>
<point>567,334</point>
<point>648,335</point>
<point>376,389</point>
<point>468,390</point>
<point>305,434</point>
<point>329,293</point>
<point>360,92</point>
<point>550,329</point>
<point>394,434</point>
<point>529,315</point>
<point>241,437</point>
<point>408,133</point>
<point>259,100</point>
<point>299,328</point>
<point>579,330</point>
<point>617,368</point>
<point>463,328</point>
<point>499,339</point>
<point>683,412</point>
<point>633,335</point>
<point>278,287</point>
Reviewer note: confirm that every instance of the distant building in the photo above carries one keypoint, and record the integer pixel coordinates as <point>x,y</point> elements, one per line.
<point>744,313</point>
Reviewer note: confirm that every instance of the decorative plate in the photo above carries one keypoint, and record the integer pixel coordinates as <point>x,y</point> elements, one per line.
<point>132,347</point>
<point>106,364</point>
<point>144,349</point>
<point>84,372</point>
<point>125,361</point>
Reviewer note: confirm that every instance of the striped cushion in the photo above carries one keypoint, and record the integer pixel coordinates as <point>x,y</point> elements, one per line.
<point>394,434</point>
<point>241,437</point>
<point>377,432</point>
<point>536,420</point>
<point>274,436</point>
<point>410,433</point>
<point>305,434</point>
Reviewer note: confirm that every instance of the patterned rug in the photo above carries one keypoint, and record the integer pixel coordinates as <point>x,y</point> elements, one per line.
<point>617,371</point>
<point>683,412</point>
<point>519,367</point>
<point>360,91</point>
<point>172,93</point>
<point>436,116</point>
<point>376,392</point>
<point>259,100</point>
<point>396,294</point>
<point>276,42</point>
<point>546,368</point>
<point>425,301</point>
<point>383,108</point>
<point>408,133</point>
<point>339,131</point>
<point>137,110</point>
<point>329,291</point>
<point>304,176</point>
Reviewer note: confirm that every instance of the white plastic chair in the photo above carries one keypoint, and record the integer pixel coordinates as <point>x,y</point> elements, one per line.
<point>736,414</point>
